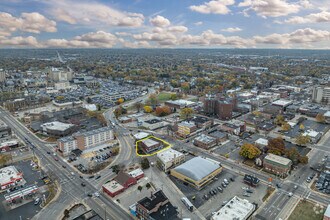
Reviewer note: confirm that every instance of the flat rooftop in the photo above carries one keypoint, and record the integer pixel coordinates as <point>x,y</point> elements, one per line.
<point>8,174</point>
<point>282,102</point>
<point>149,142</point>
<point>236,208</point>
<point>205,139</point>
<point>181,102</point>
<point>168,155</point>
<point>56,125</point>
<point>113,186</point>
<point>278,159</point>
<point>141,135</point>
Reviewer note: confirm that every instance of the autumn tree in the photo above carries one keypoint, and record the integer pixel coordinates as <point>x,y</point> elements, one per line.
<point>4,159</point>
<point>163,111</point>
<point>285,127</point>
<point>293,155</point>
<point>303,139</point>
<point>186,113</point>
<point>118,112</point>
<point>276,146</point>
<point>174,96</point>
<point>120,101</point>
<point>249,151</point>
<point>279,120</point>
<point>147,109</point>
<point>303,159</point>
<point>185,87</point>
<point>60,98</point>
<point>320,118</point>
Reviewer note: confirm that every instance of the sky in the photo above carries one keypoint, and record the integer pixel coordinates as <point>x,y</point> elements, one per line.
<point>298,24</point>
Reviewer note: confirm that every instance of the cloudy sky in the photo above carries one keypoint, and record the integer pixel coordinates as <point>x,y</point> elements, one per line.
<point>165,23</point>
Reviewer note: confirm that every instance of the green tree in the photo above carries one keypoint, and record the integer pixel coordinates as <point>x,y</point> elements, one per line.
<point>140,188</point>
<point>186,113</point>
<point>249,151</point>
<point>145,163</point>
<point>279,120</point>
<point>293,155</point>
<point>148,185</point>
<point>173,96</point>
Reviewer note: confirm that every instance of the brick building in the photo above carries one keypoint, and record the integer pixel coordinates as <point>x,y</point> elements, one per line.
<point>278,165</point>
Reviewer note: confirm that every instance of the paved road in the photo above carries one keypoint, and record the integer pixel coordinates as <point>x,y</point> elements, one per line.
<point>72,191</point>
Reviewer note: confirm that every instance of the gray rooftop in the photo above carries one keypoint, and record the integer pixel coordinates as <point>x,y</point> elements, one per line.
<point>197,168</point>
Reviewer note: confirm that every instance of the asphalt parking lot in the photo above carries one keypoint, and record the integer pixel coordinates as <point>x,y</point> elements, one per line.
<point>26,211</point>
<point>214,202</point>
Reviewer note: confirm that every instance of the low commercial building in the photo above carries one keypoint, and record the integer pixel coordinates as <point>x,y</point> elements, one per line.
<point>278,165</point>
<point>149,145</point>
<point>314,135</point>
<point>85,140</point>
<point>236,208</point>
<point>6,146</point>
<point>58,129</point>
<point>113,188</point>
<point>219,136</point>
<point>180,103</point>
<point>137,174</point>
<point>202,122</point>
<point>10,177</point>
<point>119,184</point>
<point>169,158</point>
<point>153,124</point>
<point>261,143</point>
<point>205,141</point>
<point>5,131</point>
<point>186,128</point>
<point>197,172</point>
<point>141,135</point>
<point>157,206</point>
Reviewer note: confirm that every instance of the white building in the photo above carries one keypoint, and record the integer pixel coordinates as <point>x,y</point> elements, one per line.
<point>10,177</point>
<point>261,142</point>
<point>169,158</point>
<point>85,140</point>
<point>236,208</point>
<point>63,85</point>
<point>321,94</point>
<point>2,76</point>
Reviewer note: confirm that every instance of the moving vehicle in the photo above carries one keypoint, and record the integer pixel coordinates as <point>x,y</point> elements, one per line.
<point>96,194</point>
<point>64,166</point>
<point>83,184</point>
<point>37,201</point>
<point>187,203</point>
<point>98,177</point>
<point>290,194</point>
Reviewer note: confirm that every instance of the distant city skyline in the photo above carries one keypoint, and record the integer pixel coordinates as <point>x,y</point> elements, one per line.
<point>299,24</point>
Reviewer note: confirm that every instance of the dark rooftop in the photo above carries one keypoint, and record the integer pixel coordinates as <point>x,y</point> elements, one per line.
<point>151,202</point>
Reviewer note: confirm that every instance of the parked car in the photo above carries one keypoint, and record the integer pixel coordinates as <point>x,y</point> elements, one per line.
<point>246,195</point>
<point>226,181</point>
<point>206,197</point>
<point>290,194</point>
<point>223,185</point>
<point>64,166</point>
<point>220,189</point>
<point>98,177</point>
<point>232,179</point>
<point>37,201</point>
<point>89,194</point>
<point>249,191</point>
<point>92,176</point>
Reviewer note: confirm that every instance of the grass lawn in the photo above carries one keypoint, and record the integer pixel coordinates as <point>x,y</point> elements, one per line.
<point>164,96</point>
<point>307,211</point>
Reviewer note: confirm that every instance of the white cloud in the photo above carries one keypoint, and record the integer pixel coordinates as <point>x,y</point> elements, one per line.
<point>19,42</point>
<point>160,21</point>
<point>270,8</point>
<point>231,30</point>
<point>27,22</point>
<point>178,29</point>
<point>99,39</point>
<point>199,23</point>
<point>320,17</point>
<point>213,7</point>
<point>90,12</point>
<point>300,36</point>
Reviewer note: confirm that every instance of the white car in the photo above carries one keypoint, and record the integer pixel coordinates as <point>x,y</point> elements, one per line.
<point>96,194</point>
<point>290,194</point>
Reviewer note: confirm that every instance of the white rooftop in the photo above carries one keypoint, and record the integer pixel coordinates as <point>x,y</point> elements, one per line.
<point>282,102</point>
<point>182,102</point>
<point>327,114</point>
<point>205,138</point>
<point>56,125</point>
<point>236,208</point>
<point>135,173</point>
<point>187,124</point>
<point>168,155</point>
<point>90,107</point>
<point>141,135</point>
<point>311,133</point>
<point>8,174</point>
<point>327,211</point>
<point>113,186</point>
<point>262,141</point>
<point>149,142</point>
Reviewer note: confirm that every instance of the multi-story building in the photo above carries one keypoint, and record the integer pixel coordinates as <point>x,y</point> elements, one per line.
<point>321,94</point>
<point>2,76</point>
<point>169,158</point>
<point>149,145</point>
<point>186,128</point>
<point>205,141</point>
<point>222,107</point>
<point>60,74</point>
<point>277,164</point>
<point>156,207</point>
<point>85,140</point>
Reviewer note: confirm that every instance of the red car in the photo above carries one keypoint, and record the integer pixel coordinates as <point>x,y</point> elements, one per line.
<point>55,158</point>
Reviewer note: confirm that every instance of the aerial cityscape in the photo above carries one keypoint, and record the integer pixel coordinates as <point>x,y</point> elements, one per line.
<point>165,110</point>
